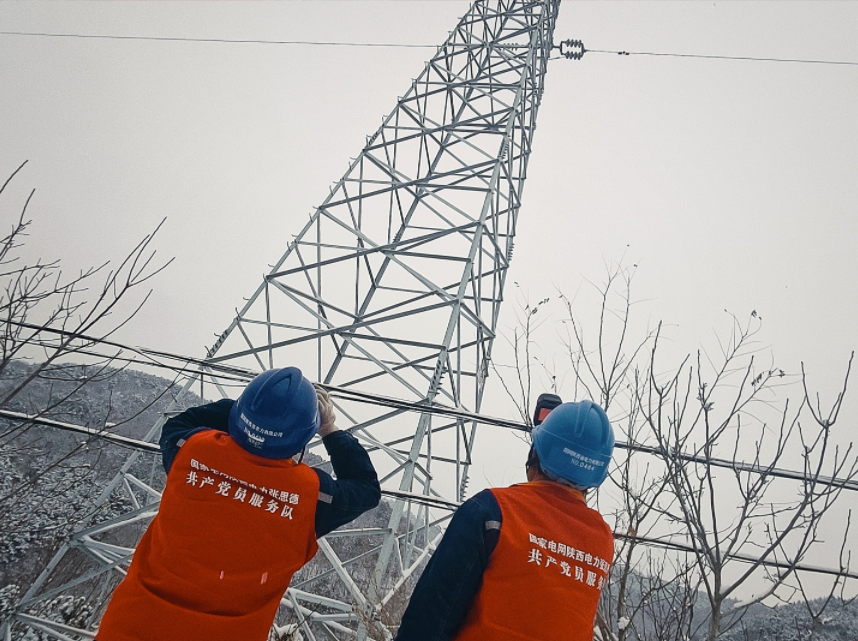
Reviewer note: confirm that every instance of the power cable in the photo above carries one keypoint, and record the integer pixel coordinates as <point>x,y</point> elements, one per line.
<point>240,373</point>
<point>118,439</point>
<point>713,57</point>
<point>153,448</point>
<point>429,501</point>
<point>736,556</point>
<point>409,46</point>
<point>233,373</point>
<point>219,40</point>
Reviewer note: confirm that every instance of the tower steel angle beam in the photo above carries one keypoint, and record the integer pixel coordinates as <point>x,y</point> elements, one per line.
<point>393,287</point>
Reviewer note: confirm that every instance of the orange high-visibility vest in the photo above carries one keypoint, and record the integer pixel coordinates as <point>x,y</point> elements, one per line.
<point>545,575</point>
<point>231,531</point>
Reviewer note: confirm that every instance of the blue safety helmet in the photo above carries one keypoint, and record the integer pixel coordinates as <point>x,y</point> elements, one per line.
<point>575,443</point>
<point>276,414</point>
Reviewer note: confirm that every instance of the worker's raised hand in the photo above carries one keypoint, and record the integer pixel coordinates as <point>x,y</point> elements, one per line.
<point>326,409</point>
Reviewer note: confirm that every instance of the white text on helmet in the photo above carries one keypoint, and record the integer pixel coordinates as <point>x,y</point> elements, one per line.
<point>585,461</point>
<point>255,427</point>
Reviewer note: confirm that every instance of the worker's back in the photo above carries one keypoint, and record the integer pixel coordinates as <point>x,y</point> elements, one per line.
<point>231,531</point>
<point>544,578</point>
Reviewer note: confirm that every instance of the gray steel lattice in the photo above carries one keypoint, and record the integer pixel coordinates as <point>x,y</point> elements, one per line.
<point>393,287</point>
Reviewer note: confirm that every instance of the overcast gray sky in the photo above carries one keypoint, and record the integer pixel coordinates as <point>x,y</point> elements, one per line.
<point>731,184</point>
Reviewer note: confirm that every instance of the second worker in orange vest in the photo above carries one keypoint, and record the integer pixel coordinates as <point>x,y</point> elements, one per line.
<point>238,516</point>
<point>526,562</point>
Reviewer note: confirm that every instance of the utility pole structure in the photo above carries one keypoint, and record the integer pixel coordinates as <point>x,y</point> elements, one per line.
<point>393,287</point>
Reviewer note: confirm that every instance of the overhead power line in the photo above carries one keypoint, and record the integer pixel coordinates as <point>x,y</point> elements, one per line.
<point>433,501</point>
<point>154,448</point>
<point>233,373</point>
<point>737,556</point>
<point>713,57</point>
<point>220,40</point>
<point>395,45</point>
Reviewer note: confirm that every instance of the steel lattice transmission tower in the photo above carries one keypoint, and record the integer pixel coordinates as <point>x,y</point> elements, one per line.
<point>393,288</point>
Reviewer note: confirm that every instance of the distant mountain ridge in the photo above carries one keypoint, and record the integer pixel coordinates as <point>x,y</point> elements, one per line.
<point>49,478</point>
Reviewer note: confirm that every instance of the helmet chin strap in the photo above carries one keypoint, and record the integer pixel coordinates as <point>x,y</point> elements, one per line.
<point>531,465</point>
<point>532,461</point>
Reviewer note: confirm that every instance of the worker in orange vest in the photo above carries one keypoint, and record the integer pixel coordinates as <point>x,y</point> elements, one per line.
<point>238,516</point>
<point>526,562</point>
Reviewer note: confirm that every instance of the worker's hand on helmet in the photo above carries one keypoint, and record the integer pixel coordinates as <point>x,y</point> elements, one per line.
<point>326,410</point>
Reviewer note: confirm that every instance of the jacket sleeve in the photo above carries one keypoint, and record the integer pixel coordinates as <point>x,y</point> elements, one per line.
<point>180,427</point>
<point>355,490</point>
<point>453,576</point>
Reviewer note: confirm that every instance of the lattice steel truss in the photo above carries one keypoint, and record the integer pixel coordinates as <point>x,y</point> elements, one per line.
<point>393,287</point>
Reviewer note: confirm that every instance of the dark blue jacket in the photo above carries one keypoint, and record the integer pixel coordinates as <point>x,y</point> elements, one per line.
<point>354,491</point>
<point>453,576</point>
